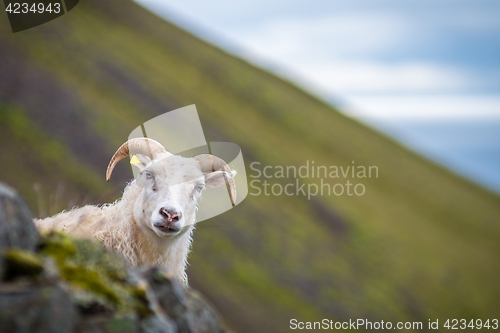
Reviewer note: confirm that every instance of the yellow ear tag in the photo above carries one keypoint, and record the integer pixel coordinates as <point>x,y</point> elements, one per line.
<point>134,160</point>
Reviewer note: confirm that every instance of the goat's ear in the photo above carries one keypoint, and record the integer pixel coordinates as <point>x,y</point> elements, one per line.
<point>217,178</point>
<point>140,161</point>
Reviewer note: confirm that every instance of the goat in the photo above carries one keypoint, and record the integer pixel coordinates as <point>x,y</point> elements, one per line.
<point>153,222</point>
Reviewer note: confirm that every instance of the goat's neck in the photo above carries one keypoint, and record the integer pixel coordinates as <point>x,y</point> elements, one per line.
<point>148,248</point>
<point>170,252</point>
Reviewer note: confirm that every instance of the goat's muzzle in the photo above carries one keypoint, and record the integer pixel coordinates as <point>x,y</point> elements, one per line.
<point>170,222</point>
<point>170,215</point>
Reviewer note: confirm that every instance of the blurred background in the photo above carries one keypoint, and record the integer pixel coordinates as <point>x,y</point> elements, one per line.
<point>424,72</point>
<point>412,88</point>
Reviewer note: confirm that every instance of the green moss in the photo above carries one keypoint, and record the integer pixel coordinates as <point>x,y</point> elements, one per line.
<point>89,268</point>
<point>96,275</point>
<point>94,257</point>
<point>90,280</point>
<point>57,246</point>
<point>21,263</point>
<point>120,325</point>
<point>141,302</point>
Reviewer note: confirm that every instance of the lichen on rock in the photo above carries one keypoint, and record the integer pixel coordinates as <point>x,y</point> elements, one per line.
<point>54,283</point>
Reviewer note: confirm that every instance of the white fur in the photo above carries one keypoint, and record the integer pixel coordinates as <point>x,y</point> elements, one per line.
<point>126,226</point>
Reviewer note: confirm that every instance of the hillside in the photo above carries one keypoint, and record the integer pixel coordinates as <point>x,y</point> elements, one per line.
<point>421,243</point>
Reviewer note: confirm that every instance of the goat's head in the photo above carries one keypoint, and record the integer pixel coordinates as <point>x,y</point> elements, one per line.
<point>170,184</point>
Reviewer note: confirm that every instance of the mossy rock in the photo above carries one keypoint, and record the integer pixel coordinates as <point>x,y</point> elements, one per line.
<point>95,275</point>
<point>21,263</point>
<point>16,227</point>
<point>44,309</point>
<point>99,279</point>
<point>76,285</point>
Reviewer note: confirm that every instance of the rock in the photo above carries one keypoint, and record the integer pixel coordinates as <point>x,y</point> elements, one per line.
<point>157,324</point>
<point>184,306</point>
<point>35,309</point>
<point>21,263</point>
<point>16,226</point>
<point>105,324</point>
<point>77,286</point>
<point>168,291</point>
<point>200,317</point>
<point>155,319</point>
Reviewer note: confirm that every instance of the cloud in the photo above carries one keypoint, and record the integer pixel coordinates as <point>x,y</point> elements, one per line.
<point>346,54</point>
<point>424,106</point>
<point>379,78</point>
<point>324,37</point>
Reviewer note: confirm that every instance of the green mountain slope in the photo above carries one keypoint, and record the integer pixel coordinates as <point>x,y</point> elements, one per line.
<point>421,243</point>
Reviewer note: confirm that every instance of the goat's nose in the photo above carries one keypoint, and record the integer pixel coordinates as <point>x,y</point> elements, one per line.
<point>170,214</point>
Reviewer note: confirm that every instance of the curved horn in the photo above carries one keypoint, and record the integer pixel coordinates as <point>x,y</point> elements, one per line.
<point>211,163</point>
<point>148,147</point>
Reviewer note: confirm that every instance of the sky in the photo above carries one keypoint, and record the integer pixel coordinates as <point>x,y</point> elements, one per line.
<point>386,58</point>
<point>425,72</point>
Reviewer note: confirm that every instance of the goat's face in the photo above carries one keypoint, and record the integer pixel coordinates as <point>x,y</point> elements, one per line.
<point>170,190</point>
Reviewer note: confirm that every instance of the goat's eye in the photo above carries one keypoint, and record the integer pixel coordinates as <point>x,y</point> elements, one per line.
<point>199,188</point>
<point>149,175</point>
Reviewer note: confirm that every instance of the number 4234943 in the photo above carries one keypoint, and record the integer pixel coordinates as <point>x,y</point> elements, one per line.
<point>455,324</point>
<point>24,8</point>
